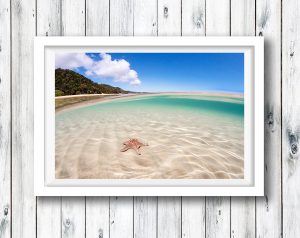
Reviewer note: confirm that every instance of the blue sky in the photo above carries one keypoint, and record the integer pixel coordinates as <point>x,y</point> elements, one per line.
<point>152,72</point>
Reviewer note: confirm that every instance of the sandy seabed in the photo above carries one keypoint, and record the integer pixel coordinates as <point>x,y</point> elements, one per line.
<point>181,145</point>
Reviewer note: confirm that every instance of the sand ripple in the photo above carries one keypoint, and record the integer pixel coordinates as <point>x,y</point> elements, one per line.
<point>181,145</point>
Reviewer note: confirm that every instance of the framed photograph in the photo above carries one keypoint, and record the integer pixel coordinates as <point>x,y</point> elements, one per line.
<point>149,116</point>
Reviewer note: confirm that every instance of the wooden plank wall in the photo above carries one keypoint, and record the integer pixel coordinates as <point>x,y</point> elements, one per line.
<point>274,215</point>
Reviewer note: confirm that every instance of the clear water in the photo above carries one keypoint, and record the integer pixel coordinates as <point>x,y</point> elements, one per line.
<point>217,106</point>
<point>189,136</point>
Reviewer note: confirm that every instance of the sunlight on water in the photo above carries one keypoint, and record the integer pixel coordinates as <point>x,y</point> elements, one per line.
<point>189,136</point>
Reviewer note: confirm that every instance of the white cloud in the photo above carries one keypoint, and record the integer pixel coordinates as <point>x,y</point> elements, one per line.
<point>72,60</point>
<point>118,70</point>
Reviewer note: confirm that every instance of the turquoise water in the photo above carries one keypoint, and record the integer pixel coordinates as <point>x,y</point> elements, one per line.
<point>188,136</point>
<point>218,106</point>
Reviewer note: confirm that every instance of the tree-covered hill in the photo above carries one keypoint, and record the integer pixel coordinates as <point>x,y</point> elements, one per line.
<point>68,82</point>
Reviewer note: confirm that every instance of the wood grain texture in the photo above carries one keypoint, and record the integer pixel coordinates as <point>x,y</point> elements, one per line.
<point>73,208</point>
<point>23,201</point>
<point>242,217</point>
<point>121,208</point>
<point>73,217</point>
<point>5,120</point>
<point>242,18</point>
<point>141,217</point>
<point>193,217</point>
<point>290,117</point>
<point>242,208</point>
<point>48,217</point>
<point>169,217</point>
<point>193,17</point>
<point>48,23</point>
<point>97,217</point>
<point>121,17</point>
<point>268,208</point>
<point>169,208</point>
<point>217,217</point>
<point>97,208</point>
<point>218,17</point>
<point>48,19</point>
<point>193,208</point>
<point>145,217</point>
<point>97,18</point>
<point>73,17</point>
<point>145,208</point>
<point>145,17</point>
<point>169,17</point>
<point>121,217</point>
<point>218,208</point>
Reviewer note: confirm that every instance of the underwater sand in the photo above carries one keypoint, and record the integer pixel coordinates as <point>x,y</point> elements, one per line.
<point>189,136</point>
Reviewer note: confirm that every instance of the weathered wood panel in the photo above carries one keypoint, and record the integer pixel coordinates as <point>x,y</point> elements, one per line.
<point>97,208</point>
<point>97,217</point>
<point>217,217</point>
<point>48,23</point>
<point>218,18</point>
<point>73,17</point>
<point>169,217</point>
<point>121,17</point>
<point>169,17</point>
<point>268,208</point>
<point>23,201</point>
<point>145,208</point>
<point>193,17</point>
<point>290,117</point>
<point>5,120</point>
<point>218,208</point>
<point>242,217</point>
<point>73,217</point>
<point>97,18</point>
<point>242,18</point>
<point>73,209</point>
<point>48,222</point>
<point>135,217</point>
<point>242,208</point>
<point>193,217</point>
<point>169,208</point>
<point>121,217</point>
<point>48,19</point>
<point>145,217</point>
<point>145,17</point>
<point>193,208</point>
<point>121,208</point>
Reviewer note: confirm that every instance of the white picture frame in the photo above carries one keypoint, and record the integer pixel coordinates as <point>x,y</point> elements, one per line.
<point>45,183</point>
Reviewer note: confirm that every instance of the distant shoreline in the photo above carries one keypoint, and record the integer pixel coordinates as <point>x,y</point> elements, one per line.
<point>204,93</point>
<point>83,95</point>
<point>63,103</point>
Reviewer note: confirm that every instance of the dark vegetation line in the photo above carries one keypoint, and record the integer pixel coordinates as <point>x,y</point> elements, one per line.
<point>68,82</point>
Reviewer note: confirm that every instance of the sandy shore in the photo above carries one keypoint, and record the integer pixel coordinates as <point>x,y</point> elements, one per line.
<point>63,103</point>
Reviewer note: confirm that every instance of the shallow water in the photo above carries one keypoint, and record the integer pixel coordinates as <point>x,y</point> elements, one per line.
<point>189,136</point>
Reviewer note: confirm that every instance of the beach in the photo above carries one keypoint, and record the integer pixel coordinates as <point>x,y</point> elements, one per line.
<point>189,136</point>
<point>74,101</point>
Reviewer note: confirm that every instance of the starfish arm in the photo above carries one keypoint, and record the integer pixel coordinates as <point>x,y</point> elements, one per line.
<point>141,144</point>
<point>125,149</point>
<point>138,151</point>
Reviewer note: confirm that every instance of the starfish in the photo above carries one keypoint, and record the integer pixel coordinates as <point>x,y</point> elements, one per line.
<point>133,144</point>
